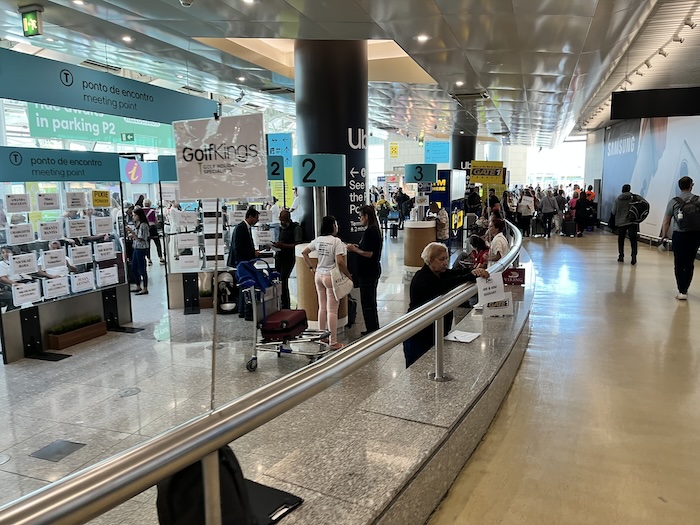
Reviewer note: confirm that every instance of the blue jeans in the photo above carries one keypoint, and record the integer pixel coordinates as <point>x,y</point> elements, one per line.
<point>138,266</point>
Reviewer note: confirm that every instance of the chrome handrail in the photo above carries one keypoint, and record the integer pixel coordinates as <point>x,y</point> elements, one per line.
<point>94,490</point>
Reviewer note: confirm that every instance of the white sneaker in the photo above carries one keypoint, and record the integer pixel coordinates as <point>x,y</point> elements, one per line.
<point>682,296</point>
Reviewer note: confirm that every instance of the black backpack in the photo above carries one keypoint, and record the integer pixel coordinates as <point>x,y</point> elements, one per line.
<point>687,213</point>
<point>639,209</point>
<point>181,496</point>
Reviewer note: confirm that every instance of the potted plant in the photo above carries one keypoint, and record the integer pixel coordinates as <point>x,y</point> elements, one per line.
<point>74,331</point>
<point>206,299</point>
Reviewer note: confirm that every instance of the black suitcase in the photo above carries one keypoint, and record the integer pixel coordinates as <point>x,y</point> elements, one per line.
<point>283,325</point>
<point>537,227</point>
<point>394,231</point>
<point>569,228</point>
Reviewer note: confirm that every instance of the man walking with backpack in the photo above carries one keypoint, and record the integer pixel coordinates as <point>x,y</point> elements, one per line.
<point>685,212</point>
<point>625,227</point>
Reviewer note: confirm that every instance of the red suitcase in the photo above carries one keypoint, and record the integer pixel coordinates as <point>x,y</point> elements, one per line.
<point>283,325</point>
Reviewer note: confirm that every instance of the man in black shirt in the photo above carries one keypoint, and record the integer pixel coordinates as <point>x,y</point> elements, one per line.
<point>290,235</point>
<point>493,200</point>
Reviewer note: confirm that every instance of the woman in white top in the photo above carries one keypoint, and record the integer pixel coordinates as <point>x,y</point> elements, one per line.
<point>499,244</point>
<point>331,252</point>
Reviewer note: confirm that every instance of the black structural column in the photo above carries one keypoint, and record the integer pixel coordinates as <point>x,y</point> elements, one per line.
<point>331,102</point>
<point>462,151</point>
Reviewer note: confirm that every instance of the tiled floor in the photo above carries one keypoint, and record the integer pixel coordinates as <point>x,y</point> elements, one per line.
<point>598,428</point>
<point>601,423</point>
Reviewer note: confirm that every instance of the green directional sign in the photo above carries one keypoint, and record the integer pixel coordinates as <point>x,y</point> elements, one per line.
<point>31,23</point>
<point>47,121</point>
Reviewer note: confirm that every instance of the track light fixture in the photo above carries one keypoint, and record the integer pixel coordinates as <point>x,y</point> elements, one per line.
<point>678,39</point>
<point>628,81</point>
<point>663,53</point>
<point>647,63</point>
<point>639,73</point>
<point>689,22</point>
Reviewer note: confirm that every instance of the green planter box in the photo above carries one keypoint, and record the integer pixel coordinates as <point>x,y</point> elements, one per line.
<point>59,342</point>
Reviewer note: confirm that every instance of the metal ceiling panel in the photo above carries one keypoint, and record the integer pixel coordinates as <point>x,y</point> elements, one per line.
<point>546,64</point>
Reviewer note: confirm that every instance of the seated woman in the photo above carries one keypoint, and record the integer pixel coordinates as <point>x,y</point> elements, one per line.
<point>430,282</point>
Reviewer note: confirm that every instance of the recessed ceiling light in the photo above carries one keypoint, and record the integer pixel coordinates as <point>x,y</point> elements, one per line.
<point>241,79</point>
<point>459,83</point>
<point>127,38</point>
<point>422,38</point>
<point>78,2</point>
<point>248,1</point>
<point>461,132</point>
<point>181,76</point>
<point>50,39</point>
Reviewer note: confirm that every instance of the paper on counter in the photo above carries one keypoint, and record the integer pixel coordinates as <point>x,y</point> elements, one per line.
<point>461,337</point>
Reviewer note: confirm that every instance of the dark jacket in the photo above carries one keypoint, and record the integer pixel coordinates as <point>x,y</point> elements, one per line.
<point>242,248</point>
<point>369,268</point>
<point>425,287</point>
<point>621,209</point>
<point>292,234</point>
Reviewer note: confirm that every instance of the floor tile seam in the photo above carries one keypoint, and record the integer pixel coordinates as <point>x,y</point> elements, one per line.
<point>406,419</point>
<point>16,443</point>
<point>25,476</point>
<point>317,491</point>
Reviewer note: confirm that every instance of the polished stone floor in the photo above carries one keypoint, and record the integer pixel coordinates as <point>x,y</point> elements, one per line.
<point>599,426</point>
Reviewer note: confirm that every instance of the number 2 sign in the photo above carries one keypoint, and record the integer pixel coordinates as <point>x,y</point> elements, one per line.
<point>319,170</point>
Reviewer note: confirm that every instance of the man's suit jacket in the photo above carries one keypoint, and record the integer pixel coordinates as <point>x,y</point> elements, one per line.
<point>242,248</point>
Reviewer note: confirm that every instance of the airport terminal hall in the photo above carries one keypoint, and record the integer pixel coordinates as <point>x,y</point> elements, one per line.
<point>349,262</point>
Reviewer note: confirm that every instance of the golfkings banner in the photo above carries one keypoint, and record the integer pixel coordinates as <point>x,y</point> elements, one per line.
<point>221,158</point>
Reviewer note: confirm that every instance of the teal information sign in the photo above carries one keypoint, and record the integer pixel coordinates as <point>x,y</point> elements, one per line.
<point>275,167</point>
<point>280,144</point>
<point>167,168</point>
<point>43,81</point>
<point>420,173</point>
<point>319,170</point>
<point>48,165</point>
<point>54,122</point>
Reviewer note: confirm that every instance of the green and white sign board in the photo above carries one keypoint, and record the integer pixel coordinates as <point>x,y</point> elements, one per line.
<point>47,121</point>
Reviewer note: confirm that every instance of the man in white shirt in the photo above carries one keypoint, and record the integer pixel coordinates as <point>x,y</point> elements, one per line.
<point>275,219</point>
<point>296,209</point>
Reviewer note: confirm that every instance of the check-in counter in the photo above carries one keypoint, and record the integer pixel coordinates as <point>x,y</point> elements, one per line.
<point>417,234</point>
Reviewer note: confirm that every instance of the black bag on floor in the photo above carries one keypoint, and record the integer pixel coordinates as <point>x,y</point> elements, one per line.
<point>352,311</point>
<point>394,231</point>
<point>181,497</point>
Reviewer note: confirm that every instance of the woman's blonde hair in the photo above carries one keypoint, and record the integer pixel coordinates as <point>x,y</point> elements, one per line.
<point>431,251</point>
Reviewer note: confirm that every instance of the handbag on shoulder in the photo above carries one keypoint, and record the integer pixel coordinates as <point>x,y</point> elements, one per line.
<point>342,285</point>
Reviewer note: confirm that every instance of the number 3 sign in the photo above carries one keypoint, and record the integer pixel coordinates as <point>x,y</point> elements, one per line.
<point>420,173</point>
<point>319,170</point>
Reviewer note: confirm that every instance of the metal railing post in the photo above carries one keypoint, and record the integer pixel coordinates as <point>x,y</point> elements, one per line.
<point>439,374</point>
<point>212,488</point>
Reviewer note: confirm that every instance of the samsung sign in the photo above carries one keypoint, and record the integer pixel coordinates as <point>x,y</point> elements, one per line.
<point>59,84</point>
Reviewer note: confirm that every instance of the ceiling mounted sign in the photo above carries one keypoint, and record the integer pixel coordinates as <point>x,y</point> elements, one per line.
<point>221,157</point>
<point>70,86</point>
<point>487,172</point>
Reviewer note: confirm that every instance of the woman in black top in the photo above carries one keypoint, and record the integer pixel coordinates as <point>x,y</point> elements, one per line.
<point>430,282</point>
<point>369,268</point>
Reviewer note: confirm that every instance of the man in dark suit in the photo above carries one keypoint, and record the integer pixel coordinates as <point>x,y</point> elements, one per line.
<point>243,249</point>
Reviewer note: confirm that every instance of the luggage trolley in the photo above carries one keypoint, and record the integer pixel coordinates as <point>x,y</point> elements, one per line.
<point>276,330</point>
